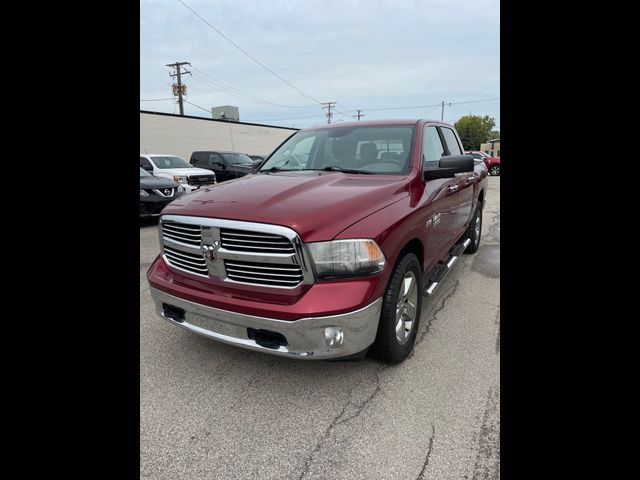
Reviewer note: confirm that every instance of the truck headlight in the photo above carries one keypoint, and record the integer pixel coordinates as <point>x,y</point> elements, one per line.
<point>346,258</point>
<point>180,178</point>
<point>143,193</point>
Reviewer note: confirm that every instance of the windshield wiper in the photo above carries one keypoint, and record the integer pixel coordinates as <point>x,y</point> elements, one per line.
<point>273,170</point>
<point>336,168</point>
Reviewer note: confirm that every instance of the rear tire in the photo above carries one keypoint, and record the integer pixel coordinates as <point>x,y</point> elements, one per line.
<point>474,230</point>
<point>401,308</point>
<point>494,170</point>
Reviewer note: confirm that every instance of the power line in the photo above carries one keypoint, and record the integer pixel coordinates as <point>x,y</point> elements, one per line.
<point>249,55</point>
<point>230,87</point>
<point>238,93</point>
<point>476,101</point>
<point>434,105</point>
<point>294,118</point>
<point>201,108</point>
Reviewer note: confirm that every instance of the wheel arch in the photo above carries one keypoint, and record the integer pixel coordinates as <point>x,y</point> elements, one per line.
<point>414,246</point>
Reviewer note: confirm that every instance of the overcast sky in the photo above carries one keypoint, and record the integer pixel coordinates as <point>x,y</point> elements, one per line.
<point>363,54</point>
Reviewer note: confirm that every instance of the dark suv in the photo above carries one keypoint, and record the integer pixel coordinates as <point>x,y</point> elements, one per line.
<point>226,165</point>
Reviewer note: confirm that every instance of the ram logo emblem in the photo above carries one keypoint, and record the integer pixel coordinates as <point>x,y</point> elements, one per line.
<point>210,252</point>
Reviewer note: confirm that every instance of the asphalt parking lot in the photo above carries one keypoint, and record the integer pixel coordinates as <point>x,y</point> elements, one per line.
<point>210,411</point>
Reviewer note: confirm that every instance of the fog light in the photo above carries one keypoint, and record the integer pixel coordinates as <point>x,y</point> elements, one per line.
<point>333,336</point>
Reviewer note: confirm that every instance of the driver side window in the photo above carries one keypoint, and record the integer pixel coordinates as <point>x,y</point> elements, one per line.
<point>215,158</point>
<point>432,148</point>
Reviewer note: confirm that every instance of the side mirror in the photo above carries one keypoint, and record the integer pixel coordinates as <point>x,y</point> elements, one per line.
<point>449,166</point>
<point>148,168</point>
<point>220,165</point>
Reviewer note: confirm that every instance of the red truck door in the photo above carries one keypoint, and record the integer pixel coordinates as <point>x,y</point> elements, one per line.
<point>464,183</point>
<point>440,218</point>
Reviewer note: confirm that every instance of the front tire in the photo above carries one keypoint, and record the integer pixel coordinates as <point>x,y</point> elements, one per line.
<point>401,307</point>
<point>494,170</point>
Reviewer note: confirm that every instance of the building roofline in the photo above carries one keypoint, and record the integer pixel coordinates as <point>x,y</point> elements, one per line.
<point>150,112</point>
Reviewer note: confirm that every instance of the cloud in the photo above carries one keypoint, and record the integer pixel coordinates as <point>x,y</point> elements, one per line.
<point>359,53</point>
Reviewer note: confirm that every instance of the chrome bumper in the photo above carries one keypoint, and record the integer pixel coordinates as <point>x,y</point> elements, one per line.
<point>305,337</point>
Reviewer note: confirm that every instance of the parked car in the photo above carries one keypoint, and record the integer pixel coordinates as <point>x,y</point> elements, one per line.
<point>258,160</point>
<point>226,165</point>
<point>177,169</point>
<point>328,250</point>
<point>492,163</point>
<point>156,193</point>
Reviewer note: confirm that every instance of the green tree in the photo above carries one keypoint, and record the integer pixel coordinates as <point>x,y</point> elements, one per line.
<point>474,130</point>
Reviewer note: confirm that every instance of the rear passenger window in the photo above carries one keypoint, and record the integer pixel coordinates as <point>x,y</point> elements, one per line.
<point>452,141</point>
<point>432,148</point>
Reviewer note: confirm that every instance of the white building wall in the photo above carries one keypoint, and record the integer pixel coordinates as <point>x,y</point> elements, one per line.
<point>181,136</point>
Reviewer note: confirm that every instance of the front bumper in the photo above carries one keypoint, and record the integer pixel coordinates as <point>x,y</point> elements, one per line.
<point>305,338</point>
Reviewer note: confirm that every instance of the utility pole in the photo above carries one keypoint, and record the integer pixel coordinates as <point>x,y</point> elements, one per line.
<point>329,106</point>
<point>442,113</point>
<point>358,115</point>
<point>179,87</point>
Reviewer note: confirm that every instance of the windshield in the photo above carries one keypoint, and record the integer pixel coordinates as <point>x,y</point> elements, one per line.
<point>367,149</point>
<point>144,173</point>
<point>171,162</point>
<point>235,158</point>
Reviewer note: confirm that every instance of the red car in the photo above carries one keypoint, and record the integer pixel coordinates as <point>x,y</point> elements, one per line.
<point>492,163</point>
<point>328,250</point>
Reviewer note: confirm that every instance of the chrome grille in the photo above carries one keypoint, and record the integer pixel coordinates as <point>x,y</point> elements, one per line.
<point>201,179</point>
<point>264,273</point>
<point>234,251</point>
<point>244,241</point>
<point>191,262</point>
<point>183,233</point>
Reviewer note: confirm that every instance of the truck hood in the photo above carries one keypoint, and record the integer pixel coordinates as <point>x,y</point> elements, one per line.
<point>317,205</point>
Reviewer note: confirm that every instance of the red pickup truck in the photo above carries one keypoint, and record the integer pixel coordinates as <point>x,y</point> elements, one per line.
<point>327,251</point>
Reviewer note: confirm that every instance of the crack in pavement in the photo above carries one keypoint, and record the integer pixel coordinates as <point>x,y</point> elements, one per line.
<point>253,380</point>
<point>433,317</point>
<point>426,460</point>
<point>366,402</point>
<point>339,420</point>
<point>487,464</point>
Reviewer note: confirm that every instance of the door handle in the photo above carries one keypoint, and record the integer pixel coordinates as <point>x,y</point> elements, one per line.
<point>453,188</point>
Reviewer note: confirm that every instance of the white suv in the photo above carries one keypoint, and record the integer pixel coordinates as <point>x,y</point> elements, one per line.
<point>177,169</point>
